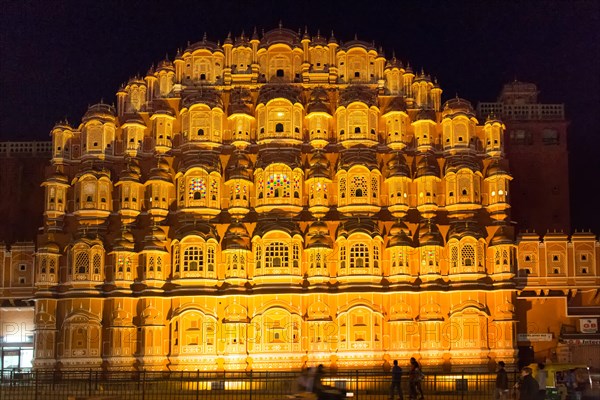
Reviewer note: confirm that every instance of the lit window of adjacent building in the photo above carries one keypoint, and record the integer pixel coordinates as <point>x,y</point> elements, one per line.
<point>520,137</point>
<point>550,137</point>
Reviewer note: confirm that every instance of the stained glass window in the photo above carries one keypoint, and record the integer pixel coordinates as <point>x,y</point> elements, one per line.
<point>278,185</point>
<point>214,189</point>
<point>197,189</point>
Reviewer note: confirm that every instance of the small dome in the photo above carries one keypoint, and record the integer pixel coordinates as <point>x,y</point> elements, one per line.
<point>236,237</point>
<point>287,156</point>
<point>319,166</point>
<point>207,96</point>
<point>458,106</point>
<point>318,102</point>
<point>285,225</point>
<point>57,176</point>
<point>208,160</point>
<point>497,167</point>
<point>125,242</point>
<point>161,171</point>
<point>201,229</point>
<point>165,64</point>
<point>101,111</point>
<point>358,93</point>
<point>399,235</point>
<point>133,118</point>
<point>318,236</point>
<point>503,235</point>
<point>132,171</point>
<point>394,63</point>
<point>280,35</point>
<point>427,166</point>
<point>358,155</point>
<point>319,40</point>
<point>355,225</point>
<point>461,229</point>
<point>397,104</point>
<point>425,114</point>
<point>429,234</point>
<point>274,91</point>
<point>204,44</point>
<point>49,248</point>
<point>457,162</point>
<point>397,166</point>
<point>239,167</point>
<point>240,102</point>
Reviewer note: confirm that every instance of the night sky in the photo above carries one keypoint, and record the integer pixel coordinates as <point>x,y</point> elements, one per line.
<point>58,57</point>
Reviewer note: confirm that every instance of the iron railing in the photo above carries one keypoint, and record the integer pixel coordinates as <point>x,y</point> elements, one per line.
<point>151,385</point>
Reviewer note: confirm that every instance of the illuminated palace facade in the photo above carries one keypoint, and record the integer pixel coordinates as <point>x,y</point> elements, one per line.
<point>274,202</point>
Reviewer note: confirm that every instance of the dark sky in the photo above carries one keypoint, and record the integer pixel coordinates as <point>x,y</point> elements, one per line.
<point>57,57</point>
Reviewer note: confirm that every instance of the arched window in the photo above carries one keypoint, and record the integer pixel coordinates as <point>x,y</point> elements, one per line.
<point>359,256</point>
<point>277,255</point>
<point>278,185</point>
<point>193,259</point>
<point>97,264</point>
<point>467,256</point>
<point>359,186</point>
<point>82,263</point>
<point>197,189</point>
<point>279,127</point>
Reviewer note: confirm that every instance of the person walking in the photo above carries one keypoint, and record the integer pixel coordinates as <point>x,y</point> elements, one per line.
<point>396,385</point>
<point>528,388</point>
<point>542,377</point>
<point>415,376</point>
<point>501,382</point>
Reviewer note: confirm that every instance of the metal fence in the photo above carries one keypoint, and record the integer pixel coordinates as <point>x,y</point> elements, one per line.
<point>358,384</point>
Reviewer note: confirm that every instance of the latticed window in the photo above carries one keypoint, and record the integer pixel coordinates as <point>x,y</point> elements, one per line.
<point>343,257</point>
<point>374,186</point>
<point>296,255</point>
<point>454,257</point>
<point>150,265</point>
<point>278,185</point>
<point>176,258</point>
<point>359,256</point>
<point>467,255</point>
<point>239,192</point>
<point>43,265</point>
<point>277,255</point>
<point>159,263</point>
<point>82,263</point>
<point>497,257</point>
<point>375,256</point>
<point>214,189</point>
<point>97,264</point>
<point>318,263</point>
<point>504,257</point>
<point>52,268</point>
<point>318,189</point>
<point>342,186</point>
<point>258,256</point>
<point>359,186</point>
<point>193,259</point>
<point>210,259</point>
<point>197,189</point>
